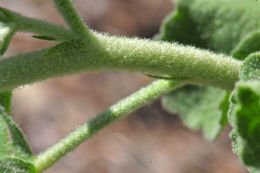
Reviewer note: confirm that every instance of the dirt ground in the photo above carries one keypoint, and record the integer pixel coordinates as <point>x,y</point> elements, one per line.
<point>148,141</point>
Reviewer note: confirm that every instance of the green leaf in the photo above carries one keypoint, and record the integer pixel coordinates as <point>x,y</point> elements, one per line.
<point>14,165</point>
<point>18,144</point>
<point>7,30</point>
<point>218,25</point>
<point>5,100</point>
<point>224,107</point>
<point>249,44</point>
<point>5,145</point>
<point>12,151</point>
<point>179,27</point>
<point>199,107</point>
<point>244,114</point>
<point>21,146</point>
<point>250,69</point>
<point>246,123</point>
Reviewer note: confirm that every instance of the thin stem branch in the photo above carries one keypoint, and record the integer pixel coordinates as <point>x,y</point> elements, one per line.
<point>69,13</point>
<point>119,110</point>
<point>37,26</point>
<point>44,28</point>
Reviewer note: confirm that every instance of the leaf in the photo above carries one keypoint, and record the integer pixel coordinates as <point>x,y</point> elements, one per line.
<point>208,23</point>
<point>21,146</point>
<point>249,44</point>
<point>246,123</point>
<point>244,114</point>
<point>18,143</point>
<point>5,145</point>
<point>250,69</point>
<point>14,165</point>
<point>7,30</point>
<point>179,27</point>
<point>224,107</point>
<point>12,151</point>
<point>5,100</point>
<point>199,107</point>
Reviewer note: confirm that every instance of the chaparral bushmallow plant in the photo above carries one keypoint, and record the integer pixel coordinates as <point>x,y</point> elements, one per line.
<point>206,59</point>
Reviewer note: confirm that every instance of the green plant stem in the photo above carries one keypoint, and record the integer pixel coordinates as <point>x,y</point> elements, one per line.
<point>116,53</point>
<point>104,52</point>
<point>44,28</point>
<point>69,13</point>
<point>119,110</point>
<point>37,26</point>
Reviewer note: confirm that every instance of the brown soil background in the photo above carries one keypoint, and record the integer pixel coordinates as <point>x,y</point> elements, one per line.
<point>148,141</point>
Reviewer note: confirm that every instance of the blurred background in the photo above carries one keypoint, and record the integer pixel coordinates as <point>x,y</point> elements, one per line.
<point>148,141</point>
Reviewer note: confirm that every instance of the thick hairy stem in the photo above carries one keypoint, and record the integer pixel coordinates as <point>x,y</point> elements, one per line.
<point>102,52</point>
<point>119,110</point>
<point>174,61</point>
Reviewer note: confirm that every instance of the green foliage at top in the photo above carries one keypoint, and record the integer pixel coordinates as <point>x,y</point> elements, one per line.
<point>249,44</point>
<point>218,25</point>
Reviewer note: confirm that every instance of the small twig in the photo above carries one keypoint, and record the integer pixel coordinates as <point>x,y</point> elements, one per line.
<point>119,110</point>
<point>69,13</point>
